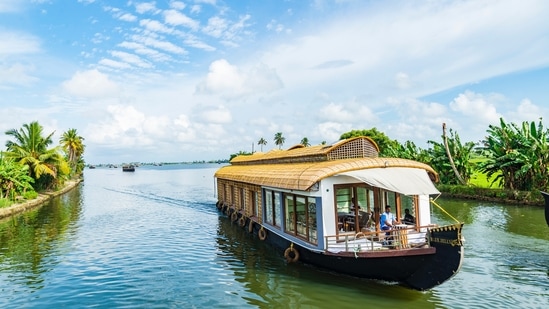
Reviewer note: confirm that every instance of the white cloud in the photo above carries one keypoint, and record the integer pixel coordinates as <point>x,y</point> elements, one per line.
<point>146,7</point>
<point>154,25</point>
<point>176,18</point>
<point>527,111</point>
<point>477,106</point>
<point>131,59</point>
<point>228,80</point>
<point>91,84</point>
<point>402,80</point>
<point>158,44</point>
<point>218,115</point>
<point>127,17</point>
<point>216,26</point>
<point>18,43</point>
<point>178,5</point>
<point>16,74</point>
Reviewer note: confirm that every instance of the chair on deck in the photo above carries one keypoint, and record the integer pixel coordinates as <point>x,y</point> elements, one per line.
<point>349,223</point>
<point>363,220</point>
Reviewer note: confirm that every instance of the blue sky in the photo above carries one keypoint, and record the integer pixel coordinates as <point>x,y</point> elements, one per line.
<point>170,81</point>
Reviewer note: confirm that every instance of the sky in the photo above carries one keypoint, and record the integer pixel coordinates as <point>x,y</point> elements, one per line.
<point>183,81</point>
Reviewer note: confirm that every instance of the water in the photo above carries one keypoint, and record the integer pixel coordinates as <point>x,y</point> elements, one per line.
<point>153,239</point>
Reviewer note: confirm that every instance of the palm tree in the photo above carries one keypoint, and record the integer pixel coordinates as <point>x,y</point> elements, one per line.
<point>31,148</point>
<point>279,139</point>
<point>262,142</point>
<point>461,156</point>
<point>73,145</point>
<point>305,142</point>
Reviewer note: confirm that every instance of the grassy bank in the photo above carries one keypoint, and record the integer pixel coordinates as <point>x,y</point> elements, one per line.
<point>492,194</point>
<point>38,201</point>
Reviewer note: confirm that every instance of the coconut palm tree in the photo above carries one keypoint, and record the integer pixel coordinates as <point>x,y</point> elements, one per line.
<point>73,145</point>
<point>305,142</point>
<point>262,142</point>
<point>31,148</point>
<point>279,139</point>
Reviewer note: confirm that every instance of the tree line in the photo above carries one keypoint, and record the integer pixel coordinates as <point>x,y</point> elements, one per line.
<point>513,156</point>
<point>30,163</point>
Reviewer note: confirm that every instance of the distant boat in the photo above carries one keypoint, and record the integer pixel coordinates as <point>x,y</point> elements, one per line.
<point>546,196</point>
<point>92,166</point>
<point>128,168</point>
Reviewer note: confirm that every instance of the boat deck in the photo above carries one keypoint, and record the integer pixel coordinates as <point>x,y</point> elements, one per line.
<point>362,242</point>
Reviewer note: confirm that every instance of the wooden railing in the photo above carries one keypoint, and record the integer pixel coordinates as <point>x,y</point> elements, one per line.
<point>403,237</point>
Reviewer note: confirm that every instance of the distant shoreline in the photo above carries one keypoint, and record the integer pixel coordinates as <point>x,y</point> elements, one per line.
<point>38,201</point>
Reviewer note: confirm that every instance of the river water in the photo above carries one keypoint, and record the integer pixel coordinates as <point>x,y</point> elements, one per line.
<point>154,239</point>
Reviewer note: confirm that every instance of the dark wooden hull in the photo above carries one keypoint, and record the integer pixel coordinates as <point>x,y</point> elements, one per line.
<point>418,268</point>
<point>546,197</point>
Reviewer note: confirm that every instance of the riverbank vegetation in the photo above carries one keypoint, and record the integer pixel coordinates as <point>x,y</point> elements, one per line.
<point>510,165</point>
<point>30,164</point>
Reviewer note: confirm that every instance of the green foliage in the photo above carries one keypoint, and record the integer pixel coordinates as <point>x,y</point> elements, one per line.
<point>461,155</point>
<point>491,194</point>
<point>46,166</point>
<point>410,151</point>
<point>240,153</point>
<point>386,145</point>
<point>14,179</point>
<point>30,147</point>
<point>279,139</point>
<point>4,202</point>
<point>517,156</point>
<point>262,142</point>
<point>73,145</point>
<point>30,195</point>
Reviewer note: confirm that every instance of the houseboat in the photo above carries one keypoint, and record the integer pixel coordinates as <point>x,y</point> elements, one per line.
<point>128,168</point>
<point>321,205</point>
<point>546,197</point>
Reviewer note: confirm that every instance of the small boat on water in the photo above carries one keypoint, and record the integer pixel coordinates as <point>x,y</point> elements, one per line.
<point>302,202</point>
<point>128,168</point>
<point>546,197</point>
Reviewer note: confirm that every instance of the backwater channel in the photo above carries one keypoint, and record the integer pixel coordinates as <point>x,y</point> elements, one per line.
<point>154,239</point>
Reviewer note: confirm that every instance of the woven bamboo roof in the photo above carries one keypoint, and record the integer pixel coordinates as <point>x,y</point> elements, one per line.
<point>358,147</point>
<point>302,175</point>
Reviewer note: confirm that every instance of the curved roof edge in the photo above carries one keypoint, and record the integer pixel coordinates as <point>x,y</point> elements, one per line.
<point>301,176</point>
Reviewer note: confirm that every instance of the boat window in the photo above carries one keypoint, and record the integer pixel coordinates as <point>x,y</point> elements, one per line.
<point>255,202</point>
<point>269,202</point>
<point>300,216</point>
<point>311,223</point>
<point>277,209</point>
<point>273,208</point>
<point>242,198</point>
<point>290,214</point>
<point>343,199</point>
<point>231,192</point>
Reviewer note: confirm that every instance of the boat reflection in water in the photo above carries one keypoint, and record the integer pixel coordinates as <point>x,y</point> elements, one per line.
<point>302,201</point>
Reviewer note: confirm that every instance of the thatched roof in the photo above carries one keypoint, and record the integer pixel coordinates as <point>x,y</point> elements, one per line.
<point>358,147</point>
<point>301,176</point>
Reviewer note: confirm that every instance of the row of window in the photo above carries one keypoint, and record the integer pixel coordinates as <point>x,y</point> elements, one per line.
<point>295,214</point>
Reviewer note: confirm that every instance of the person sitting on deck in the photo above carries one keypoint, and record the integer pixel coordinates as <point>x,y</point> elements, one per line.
<point>408,218</point>
<point>387,219</point>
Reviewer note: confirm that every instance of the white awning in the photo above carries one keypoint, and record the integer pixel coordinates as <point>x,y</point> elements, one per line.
<point>408,181</point>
